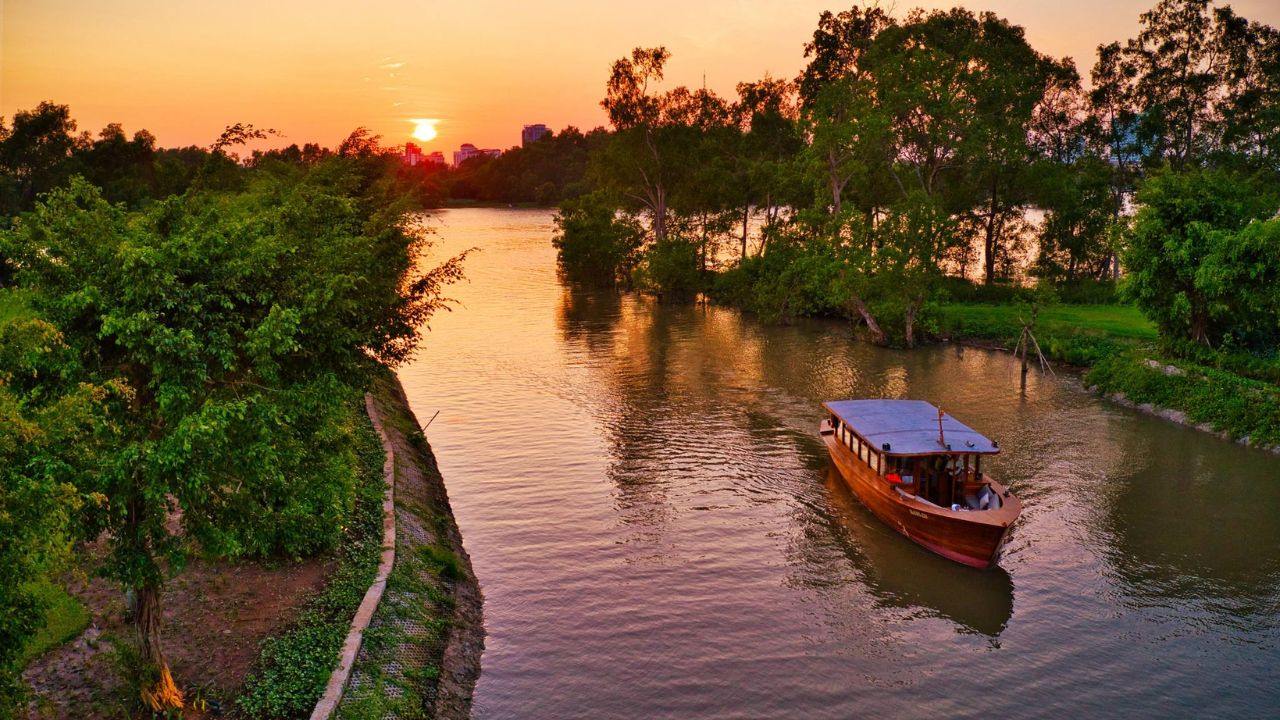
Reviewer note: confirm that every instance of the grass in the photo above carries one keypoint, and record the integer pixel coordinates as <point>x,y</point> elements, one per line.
<point>998,322</point>
<point>64,618</point>
<point>1246,410</point>
<point>1115,342</point>
<point>1076,334</point>
<point>398,667</point>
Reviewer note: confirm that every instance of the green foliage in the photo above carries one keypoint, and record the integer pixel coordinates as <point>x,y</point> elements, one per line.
<point>1076,236</point>
<point>1200,262</point>
<point>544,172</point>
<point>48,426</point>
<point>1264,366</point>
<point>210,341</point>
<point>13,305</point>
<point>292,671</point>
<point>64,618</point>
<point>670,268</point>
<point>790,280</point>
<point>442,562</point>
<point>1240,407</point>
<point>595,245</point>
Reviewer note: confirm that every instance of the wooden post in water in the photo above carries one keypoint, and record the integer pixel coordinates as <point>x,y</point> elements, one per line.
<point>1022,341</point>
<point>1023,348</point>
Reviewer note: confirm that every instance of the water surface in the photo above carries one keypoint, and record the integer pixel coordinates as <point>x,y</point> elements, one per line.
<point>657,532</point>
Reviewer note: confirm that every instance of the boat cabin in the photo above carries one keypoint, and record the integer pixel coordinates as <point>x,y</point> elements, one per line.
<point>918,449</point>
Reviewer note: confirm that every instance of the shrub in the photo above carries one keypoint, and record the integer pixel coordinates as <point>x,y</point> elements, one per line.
<point>593,244</point>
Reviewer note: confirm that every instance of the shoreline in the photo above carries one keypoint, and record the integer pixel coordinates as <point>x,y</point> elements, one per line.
<point>1080,372</point>
<point>430,621</point>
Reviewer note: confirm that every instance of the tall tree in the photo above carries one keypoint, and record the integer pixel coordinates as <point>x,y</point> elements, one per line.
<point>34,154</point>
<point>640,116</point>
<point>1176,67</point>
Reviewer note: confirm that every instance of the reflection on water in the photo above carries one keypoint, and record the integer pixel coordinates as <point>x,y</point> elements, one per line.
<point>658,534</point>
<point>905,575</point>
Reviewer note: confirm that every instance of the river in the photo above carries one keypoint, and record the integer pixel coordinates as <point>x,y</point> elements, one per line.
<point>651,515</point>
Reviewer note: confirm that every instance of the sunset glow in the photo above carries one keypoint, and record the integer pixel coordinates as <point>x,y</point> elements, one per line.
<point>424,129</point>
<point>118,62</point>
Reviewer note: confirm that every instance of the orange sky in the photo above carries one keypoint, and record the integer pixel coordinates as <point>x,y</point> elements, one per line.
<point>314,70</point>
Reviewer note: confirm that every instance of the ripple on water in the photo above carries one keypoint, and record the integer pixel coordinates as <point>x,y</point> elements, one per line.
<point>650,514</point>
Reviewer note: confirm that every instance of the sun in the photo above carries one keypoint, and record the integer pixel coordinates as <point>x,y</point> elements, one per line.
<point>424,129</point>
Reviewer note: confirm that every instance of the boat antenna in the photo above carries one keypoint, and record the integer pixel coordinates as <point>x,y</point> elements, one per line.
<point>941,440</point>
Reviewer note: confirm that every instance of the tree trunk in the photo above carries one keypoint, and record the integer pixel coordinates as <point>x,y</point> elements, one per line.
<point>660,215</point>
<point>909,322</point>
<point>877,335</point>
<point>837,187</point>
<point>746,218</point>
<point>702,252</point>
<point>157,688</point>
<point>991,238</point>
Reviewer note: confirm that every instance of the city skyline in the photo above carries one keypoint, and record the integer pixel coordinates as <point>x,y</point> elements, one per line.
<point>185,71</point>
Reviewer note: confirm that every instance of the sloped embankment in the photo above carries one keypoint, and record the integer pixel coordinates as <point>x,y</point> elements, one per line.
<point>420,656</point>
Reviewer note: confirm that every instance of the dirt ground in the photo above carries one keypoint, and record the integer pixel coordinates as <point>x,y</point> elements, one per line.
<point>215,616</point>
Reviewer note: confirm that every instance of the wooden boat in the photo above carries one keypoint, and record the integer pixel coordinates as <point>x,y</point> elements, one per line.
<point>920,471</point>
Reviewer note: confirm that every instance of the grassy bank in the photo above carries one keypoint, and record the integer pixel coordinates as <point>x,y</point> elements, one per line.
<point>420,656</point>
<point>1118,345</point>
<point>294,667</point>
<point>1076,334</point>
<point>1241,408</point>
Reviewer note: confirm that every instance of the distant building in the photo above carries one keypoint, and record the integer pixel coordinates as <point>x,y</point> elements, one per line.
<point>413,156</point>
<point>468,151</point>
<point>533,133</point>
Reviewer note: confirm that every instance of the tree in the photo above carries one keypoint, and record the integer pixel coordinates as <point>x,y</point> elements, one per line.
<point>34,154</point>
<point>1180,257</point>
<point>845,121</point>
<point>124,169</point>
<point>763,166</point>
<point>594,245</point>
<point>635,158</point>
<point>1175,68</point>
<point>1009,86</point>
<point>231,328</point>
<point>1080,217</point>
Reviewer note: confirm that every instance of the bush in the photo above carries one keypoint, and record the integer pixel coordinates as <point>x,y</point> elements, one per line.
<point>958,289</point>
<point>1088,292</point>
<point>670,268</point>
<point>1202,262</point>
<point>593,245</point>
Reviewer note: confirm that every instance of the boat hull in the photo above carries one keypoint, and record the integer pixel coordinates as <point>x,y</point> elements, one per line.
<point>973,538</point>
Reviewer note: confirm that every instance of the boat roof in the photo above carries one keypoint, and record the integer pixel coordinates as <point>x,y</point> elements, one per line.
<point>909,427</point>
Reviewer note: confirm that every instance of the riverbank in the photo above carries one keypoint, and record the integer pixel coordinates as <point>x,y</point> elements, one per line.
<point>260,638</point>
<point>421,652</point>
<point>1117,348</point>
